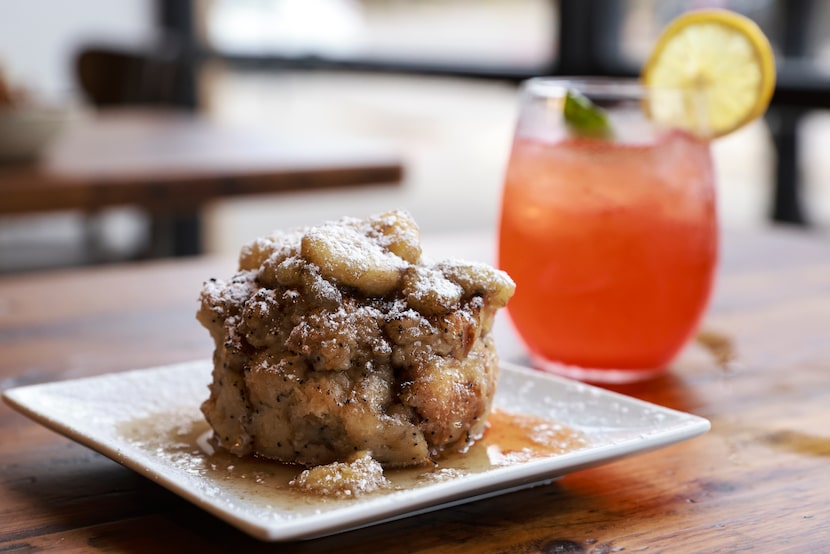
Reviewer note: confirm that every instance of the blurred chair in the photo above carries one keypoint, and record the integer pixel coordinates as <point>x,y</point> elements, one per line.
<point>157,76</point>
<point>113,78</point>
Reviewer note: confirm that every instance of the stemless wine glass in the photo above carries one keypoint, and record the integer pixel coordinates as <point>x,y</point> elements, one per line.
<point>611,238</point>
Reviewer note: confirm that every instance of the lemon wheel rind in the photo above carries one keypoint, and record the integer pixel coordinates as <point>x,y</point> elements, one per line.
<point>738,84</point>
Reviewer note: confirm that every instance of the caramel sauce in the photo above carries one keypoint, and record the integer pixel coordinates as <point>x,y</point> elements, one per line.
<point>521,437</point>
<point>183,441</point>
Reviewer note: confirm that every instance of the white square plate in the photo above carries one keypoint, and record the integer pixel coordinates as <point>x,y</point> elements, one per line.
<point>149,420</point>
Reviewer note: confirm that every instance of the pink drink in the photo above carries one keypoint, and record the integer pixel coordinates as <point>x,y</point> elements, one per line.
<point>612,246</point>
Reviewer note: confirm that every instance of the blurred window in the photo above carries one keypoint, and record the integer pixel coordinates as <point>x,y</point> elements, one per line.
<point>643,20</point>
<point>520,34</point>
<point>624,46</point>
<point>515,39</point>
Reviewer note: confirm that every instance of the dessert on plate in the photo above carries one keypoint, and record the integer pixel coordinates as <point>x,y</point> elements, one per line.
<point>341,339</point>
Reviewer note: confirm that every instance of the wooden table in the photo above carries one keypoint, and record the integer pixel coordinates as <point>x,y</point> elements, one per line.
<point>758,481</point>
<point>173,163</point>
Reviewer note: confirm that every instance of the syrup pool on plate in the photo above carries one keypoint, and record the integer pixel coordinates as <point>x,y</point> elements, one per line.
<point>182,439</point>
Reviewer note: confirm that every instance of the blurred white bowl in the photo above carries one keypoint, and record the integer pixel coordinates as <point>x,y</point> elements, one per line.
<point>26,131</point>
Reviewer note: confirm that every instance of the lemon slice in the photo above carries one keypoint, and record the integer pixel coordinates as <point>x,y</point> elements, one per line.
<point>723,55</point>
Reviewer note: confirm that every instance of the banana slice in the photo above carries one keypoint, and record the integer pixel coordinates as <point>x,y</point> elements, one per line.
<point>399,233</point>
<point>349,257</point>
<point>282,243</point>
<point>429,291</point>
<point>480,278</point>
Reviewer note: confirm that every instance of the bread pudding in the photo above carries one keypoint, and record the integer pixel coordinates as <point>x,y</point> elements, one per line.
<point>343,338</point>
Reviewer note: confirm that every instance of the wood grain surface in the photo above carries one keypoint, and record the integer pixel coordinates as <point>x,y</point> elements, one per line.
<point>758,481</point>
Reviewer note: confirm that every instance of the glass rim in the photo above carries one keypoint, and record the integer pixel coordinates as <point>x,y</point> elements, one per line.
<point>595,87</point>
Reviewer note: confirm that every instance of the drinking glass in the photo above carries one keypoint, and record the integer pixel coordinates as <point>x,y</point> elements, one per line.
<point>612,240</point>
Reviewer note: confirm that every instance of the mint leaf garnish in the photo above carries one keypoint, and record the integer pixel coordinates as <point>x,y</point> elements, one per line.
<point>584,118</point>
